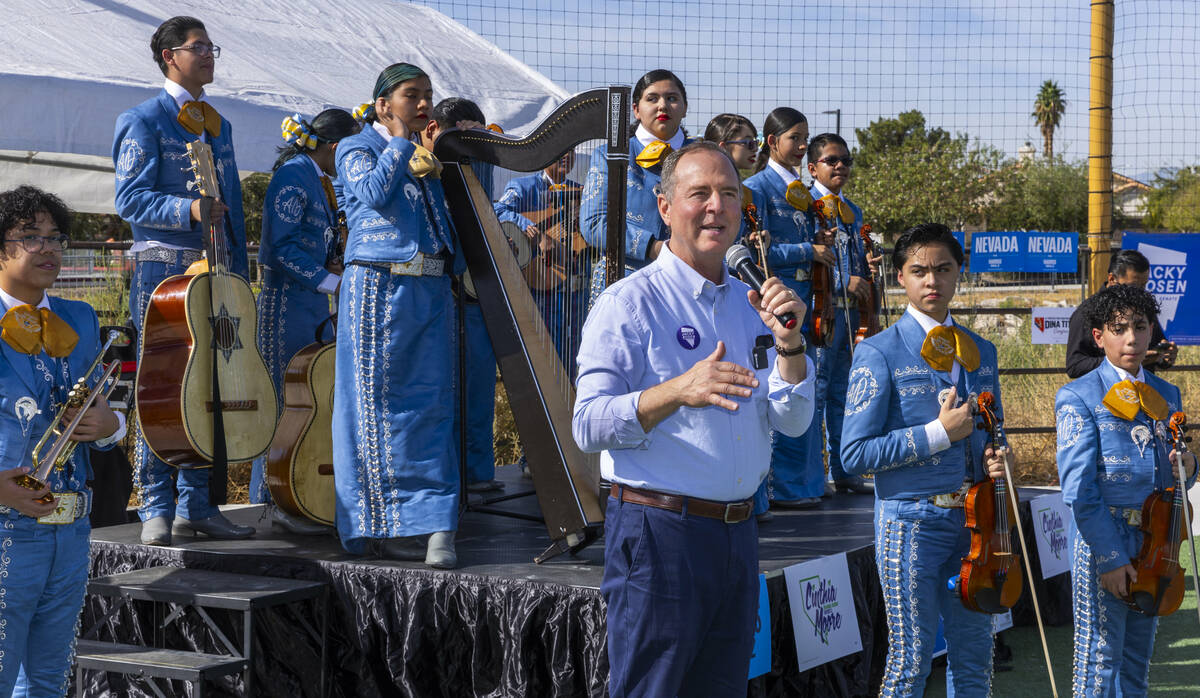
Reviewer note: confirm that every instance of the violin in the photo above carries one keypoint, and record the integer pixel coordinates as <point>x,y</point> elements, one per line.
<point>990,580</point>
<point>868,309</point>
<point>1166,517</point>
<point>753,224</point>
<point>823,310</point>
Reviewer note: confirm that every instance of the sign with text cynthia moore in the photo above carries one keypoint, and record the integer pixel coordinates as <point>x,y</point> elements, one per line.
<point>823,616</point>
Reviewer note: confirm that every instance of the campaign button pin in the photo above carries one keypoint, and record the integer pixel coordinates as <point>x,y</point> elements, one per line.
<point>688,336</point>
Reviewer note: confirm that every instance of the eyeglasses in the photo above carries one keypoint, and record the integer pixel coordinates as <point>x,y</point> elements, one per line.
<point>833,160</point>
<point>744,142</point>
<point>36,243</point>
<point>201,50</point>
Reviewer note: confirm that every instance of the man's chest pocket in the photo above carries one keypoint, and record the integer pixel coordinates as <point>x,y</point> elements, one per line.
<point>918,398</point>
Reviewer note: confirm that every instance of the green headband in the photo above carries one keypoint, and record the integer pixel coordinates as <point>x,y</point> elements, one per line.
<point>394,75</point>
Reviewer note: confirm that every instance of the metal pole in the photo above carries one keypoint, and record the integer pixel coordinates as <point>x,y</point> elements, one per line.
<point>838,123</point>
<point>1100,143</point>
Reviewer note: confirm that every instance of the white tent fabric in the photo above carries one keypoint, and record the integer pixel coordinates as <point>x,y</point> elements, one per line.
<point>69,67</point>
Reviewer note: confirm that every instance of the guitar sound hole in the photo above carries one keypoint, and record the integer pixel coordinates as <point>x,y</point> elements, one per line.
<point>226,333</point>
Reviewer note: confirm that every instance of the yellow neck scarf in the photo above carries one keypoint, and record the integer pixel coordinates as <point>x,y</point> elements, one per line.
<point>653,154</point>
<point>833,203</point>
<point>330,194</point>
<point>1126,398</point>
<point>29,330</point>
<point>798,196</point>
<point>424,164</point>
<point>945,344</point>
<point>197,117</point>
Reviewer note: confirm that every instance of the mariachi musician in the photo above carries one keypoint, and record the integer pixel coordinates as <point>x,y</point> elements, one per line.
<point>156,194</point>
<point>300,272</point>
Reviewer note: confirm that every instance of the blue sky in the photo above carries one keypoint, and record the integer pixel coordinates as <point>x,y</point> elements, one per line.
<point>971,66</point>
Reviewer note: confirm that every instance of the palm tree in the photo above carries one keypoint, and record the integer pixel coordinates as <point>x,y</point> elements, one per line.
<point>1048,109</point>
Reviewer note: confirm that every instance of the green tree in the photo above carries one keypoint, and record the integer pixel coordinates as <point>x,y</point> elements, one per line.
<point>905,173</point>
<point>1048,109</point>
<point>254,188</point>
<point>1174,203</point>
<point>1040,195</point>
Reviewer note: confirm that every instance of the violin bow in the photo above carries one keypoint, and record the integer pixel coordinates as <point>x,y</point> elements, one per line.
<point>1176,425</point>
<point>837,261</point>
<point>1037,606</point>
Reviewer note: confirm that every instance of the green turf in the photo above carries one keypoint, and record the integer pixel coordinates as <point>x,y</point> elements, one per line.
<point>1174,671</point>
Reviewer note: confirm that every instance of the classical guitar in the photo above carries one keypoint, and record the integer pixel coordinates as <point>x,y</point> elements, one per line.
<point>203,391</point>
<point>562,239</point>
<point>300,460</point>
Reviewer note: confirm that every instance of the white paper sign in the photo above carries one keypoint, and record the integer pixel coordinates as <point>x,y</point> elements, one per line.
<point>823,616</point>
<point>1053,528</point>
<point>1051,325</point>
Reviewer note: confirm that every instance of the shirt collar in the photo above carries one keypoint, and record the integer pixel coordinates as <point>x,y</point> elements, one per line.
<point>646,138</point>
<point>10,302</point>
<point>683,275</point>
<point>824,191</point>
<point>180,95</point>
<point>1123,375</point>
<point>927,323</point>
<point>787,175</point>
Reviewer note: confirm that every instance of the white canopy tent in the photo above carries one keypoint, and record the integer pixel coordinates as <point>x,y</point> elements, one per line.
<point>69,67</point>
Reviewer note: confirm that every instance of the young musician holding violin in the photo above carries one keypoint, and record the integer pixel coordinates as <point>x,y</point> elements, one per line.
<point>829,164</point>
<point>784,209</point>
<point>300,269</point>
<point>1113,455</point>
<point>157,194</point>
<point>394,453</point>
<point>659,105</point>
<point>906,421</point>
<point>48,344</point>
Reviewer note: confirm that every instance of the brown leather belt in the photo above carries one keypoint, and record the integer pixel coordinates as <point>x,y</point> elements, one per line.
<point>729,512</point>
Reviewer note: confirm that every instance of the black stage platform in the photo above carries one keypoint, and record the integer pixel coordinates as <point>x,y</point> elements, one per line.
<point>499,625</point>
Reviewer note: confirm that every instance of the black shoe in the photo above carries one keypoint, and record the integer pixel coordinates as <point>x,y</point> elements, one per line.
<point>408,548</point>
<point>215,526</point>
<point>855,485</point>
<point>801,503</point>
<point>299,525</point>
<point>765,517</point>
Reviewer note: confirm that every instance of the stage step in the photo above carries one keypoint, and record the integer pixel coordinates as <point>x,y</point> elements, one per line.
<point>178,587</point>
<point>154,663</point>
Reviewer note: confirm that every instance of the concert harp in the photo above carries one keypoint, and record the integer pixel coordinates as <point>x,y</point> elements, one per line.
<point>540,390</point>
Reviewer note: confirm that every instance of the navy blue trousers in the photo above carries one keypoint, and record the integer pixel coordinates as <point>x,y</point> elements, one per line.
<point>682,595</point>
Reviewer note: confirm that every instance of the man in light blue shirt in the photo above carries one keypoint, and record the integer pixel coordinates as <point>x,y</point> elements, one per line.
<point>665,393</point>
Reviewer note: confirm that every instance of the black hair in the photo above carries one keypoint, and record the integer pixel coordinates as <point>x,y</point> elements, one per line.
<point>1119,300</point>
<point>818,143</point>
<point>1128,260</point>
<point>723,126</point>
<point>21,205</point>
<point>778,122</point>
<point>452,110</point>
<point>330,126</point>
<point>649,79</point>
<point>170,34</point>
<point>923,235</point>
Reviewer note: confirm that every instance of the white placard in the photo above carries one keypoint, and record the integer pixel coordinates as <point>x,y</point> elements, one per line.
<point>823,616</point>
<point>1051,325</point>
<point>1053,527</point>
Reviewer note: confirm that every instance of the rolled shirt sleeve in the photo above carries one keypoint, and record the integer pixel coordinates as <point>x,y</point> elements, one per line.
<point>790,405</point>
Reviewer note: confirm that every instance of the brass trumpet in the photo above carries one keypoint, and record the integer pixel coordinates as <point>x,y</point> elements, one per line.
<point>56,442</point>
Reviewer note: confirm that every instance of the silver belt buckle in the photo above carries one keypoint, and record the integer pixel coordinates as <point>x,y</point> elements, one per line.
<point>65,511</point>
<point>432,266</point>
<point>729,508</point>
<point>412,267</point>
<point>803,274</point>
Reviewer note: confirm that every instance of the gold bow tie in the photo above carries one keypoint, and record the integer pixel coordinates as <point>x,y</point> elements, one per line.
<point>330,194</point>
<point>197,117</point>
<point>653,154</point>
<point>835,203</point>
<point>798,196</point>
<point>424,164</point>
<point>29,330</point>
<point>1126,398</point>
<point>944,344</point>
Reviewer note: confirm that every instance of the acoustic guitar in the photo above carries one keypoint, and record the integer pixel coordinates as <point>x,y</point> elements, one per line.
<point>203,391</point>
<point>300,460</point>
<point>563,241</point>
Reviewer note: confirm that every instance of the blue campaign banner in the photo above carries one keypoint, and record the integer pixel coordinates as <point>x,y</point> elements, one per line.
<point>1051,252</point>
<point>997,251</point>
<point>962,240</point>
<point>760,659</point>
<point>1172,280</point>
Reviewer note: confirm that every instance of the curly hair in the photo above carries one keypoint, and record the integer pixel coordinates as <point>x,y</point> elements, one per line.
<point>1117,301</point>
<point>20,206</point>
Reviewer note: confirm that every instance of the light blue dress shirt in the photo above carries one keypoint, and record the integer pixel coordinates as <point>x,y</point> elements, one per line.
<point>653,326</point>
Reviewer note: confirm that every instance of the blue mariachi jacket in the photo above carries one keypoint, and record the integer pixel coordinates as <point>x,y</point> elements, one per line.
<point>155,185</point>
<point>642,222</point>
<point>299,230</point>
<point>524,194</point>
<point>28,403</point>
<point>391,214</point>
<point>852,253</point>
<point>1105,461</point>
<point>791,232</point>
<point>892,393</point>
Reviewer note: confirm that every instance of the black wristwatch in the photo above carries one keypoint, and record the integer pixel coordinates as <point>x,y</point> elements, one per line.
<point>784,351</point>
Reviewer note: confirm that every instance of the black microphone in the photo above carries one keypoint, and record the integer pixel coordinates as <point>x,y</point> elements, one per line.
<point>738,259</point>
